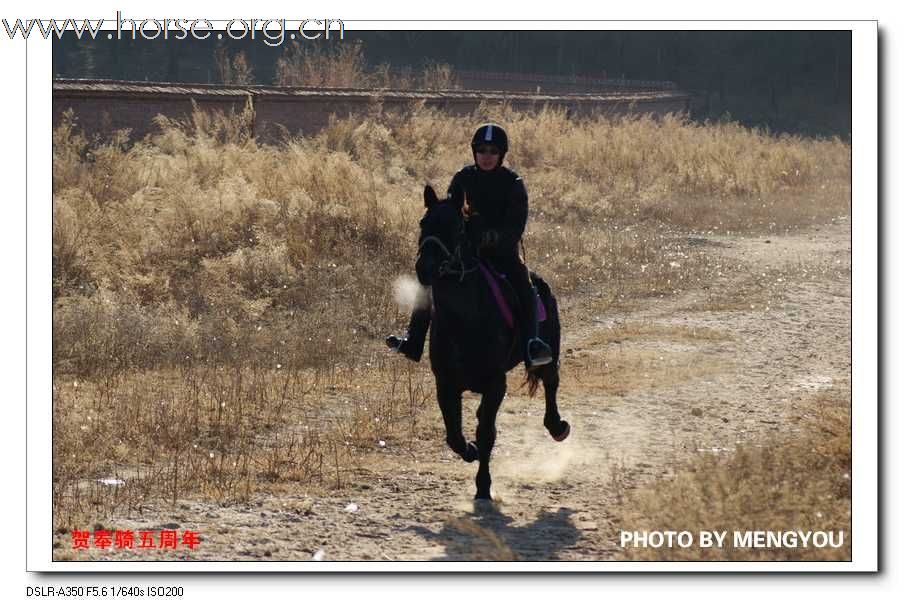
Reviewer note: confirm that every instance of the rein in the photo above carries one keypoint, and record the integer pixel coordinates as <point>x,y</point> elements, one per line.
<point>448,266</point>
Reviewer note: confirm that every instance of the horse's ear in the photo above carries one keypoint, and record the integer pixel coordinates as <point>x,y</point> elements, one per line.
<point>430,198</point>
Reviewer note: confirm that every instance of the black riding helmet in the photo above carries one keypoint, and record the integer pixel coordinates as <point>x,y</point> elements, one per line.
<point>490,133</point>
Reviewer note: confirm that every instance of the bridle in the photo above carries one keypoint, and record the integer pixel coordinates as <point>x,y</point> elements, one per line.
<point>453,264</point>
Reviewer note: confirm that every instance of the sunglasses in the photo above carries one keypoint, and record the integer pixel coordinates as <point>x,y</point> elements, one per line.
<point>488,150</point>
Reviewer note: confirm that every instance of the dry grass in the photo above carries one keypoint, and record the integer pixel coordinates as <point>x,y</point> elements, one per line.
<point>632,331</point>
<point>235,70</point>
<point>762,288</point>
<point>720,177</point>
<point>226,433</point>
<point>628,356</point>
<point>208,290</point>
<point>619,370</point>
<point>345,66</point>
<point>800,482</point>
<point>482,544</point>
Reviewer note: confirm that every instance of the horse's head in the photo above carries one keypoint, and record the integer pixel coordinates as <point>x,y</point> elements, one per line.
<point>442,247</point>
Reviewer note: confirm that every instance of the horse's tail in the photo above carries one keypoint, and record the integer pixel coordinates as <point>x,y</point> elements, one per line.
<point>532,380</point>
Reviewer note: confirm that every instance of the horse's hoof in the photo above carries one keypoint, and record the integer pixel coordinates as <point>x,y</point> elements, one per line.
<point>471,454</point>
<point>566,429</point>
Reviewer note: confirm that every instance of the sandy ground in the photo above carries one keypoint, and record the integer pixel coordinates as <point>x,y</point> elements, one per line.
<point>694,378</point>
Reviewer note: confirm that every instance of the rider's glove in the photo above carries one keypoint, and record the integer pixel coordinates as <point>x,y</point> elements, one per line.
<point>490,239</point>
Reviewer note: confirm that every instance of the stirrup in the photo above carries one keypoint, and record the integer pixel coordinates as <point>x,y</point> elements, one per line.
<point>544,353</point>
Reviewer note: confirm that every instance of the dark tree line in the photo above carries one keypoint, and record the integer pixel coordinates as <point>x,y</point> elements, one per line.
<point>787,80</point>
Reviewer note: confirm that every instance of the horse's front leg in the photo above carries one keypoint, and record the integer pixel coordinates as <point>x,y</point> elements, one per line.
<point>449,398</point>
<point>486,433</point>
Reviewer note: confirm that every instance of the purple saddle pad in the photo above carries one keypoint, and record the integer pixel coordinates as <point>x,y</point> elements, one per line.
<point>493,279</point>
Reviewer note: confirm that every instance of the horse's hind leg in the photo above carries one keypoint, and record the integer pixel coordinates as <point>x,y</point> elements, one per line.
<point>552,331</point>
<point>553,422</point>
<point>449,399</point>
<point>486,434</point>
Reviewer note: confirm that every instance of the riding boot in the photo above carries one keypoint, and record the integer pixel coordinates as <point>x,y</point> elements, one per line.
<point>536,352</point>
<point>412,343</point>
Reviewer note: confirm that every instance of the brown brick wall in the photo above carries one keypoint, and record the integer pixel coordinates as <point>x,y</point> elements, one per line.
<point>99,112</point>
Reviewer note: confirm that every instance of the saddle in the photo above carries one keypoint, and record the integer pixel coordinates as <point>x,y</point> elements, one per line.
<point>504,295</point>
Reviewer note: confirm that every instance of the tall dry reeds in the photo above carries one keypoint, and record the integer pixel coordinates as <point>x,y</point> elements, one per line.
<point>306,66</point>
<point>233,70</point>
<point>345,66</point>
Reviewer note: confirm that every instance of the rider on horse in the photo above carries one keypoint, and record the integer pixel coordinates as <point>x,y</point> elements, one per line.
<point>496,196</point>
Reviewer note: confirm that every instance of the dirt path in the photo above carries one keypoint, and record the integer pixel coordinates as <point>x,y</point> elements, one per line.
<point>643,390</point>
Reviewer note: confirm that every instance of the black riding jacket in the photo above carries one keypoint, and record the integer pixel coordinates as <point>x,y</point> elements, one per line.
<point>499,198</point>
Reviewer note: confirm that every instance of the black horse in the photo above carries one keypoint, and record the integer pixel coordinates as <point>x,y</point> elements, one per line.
<point>471,347</point>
